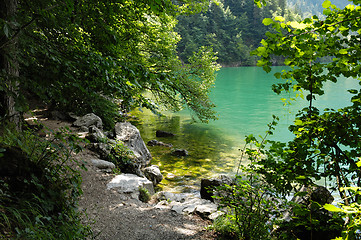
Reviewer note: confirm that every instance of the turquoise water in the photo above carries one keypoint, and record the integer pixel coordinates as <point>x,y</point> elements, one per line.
<point>245,105</point>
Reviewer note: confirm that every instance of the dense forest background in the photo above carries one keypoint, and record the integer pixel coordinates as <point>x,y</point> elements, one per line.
<point>234,27</point>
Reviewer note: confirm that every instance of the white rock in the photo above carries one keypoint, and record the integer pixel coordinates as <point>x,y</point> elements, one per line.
<point>130,183</point>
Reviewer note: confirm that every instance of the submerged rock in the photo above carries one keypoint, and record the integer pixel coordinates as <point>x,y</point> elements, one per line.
<point>160,133</point>
<point>159,143</point>
<point>180,152</point>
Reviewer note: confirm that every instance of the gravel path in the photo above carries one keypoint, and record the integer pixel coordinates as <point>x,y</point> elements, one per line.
<point>112,217</point>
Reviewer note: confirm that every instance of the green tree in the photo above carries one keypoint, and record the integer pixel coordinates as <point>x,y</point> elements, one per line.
<point>77,55</point>
<point>231,27</point>
<point>9,73</point>
<point>326,141</point>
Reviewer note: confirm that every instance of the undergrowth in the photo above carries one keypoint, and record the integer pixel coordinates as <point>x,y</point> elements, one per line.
<point>39,186</point>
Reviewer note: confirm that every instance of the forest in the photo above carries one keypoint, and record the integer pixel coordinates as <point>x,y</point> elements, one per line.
<point>114,56</point>
<point>232,27</point>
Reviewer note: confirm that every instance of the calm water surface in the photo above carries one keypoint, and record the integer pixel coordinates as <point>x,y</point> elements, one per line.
<point>245,105</point>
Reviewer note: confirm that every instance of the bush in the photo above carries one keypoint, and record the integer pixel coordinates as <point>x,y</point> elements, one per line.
<point>250,206</point>
<point>39,186</point>
<point>144,194</point>
<point>121,156</point>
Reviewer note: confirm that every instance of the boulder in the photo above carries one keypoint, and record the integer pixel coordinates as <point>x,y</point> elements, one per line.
<point>130,136</point>
<point>159,143</point>
<point>153,174</point>
<point>103,149</point>
<point>180,152</point>
<point>308,203</point>
<point>89,120</point>
<point>160,133</point>
<point>208,185</point>
<point>129,184</point>
<point>95,134</point>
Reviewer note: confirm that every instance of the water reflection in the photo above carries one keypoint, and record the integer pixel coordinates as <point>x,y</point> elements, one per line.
<point>210,151</point>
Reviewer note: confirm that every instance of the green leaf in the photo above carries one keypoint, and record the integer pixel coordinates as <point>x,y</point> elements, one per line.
<point>326,4</point>
<point>6,30</point>
<point>280,19</point>
<point>298,122</point>
<point>332,208</point>
<point>327,12</point>
<point>277,75</point>
<point>267,21</point>
<point>343,51</point>
<point>359,163</point>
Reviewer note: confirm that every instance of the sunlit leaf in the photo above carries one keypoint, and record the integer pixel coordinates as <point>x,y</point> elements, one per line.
<point>326,4</point>
<point>332,208</point>
<point>267,21</point>
<point>343,51</point>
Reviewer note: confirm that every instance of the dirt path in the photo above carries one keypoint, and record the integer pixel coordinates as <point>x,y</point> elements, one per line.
<point>111,217</point>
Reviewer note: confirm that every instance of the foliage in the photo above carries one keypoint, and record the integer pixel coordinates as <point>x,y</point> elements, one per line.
<point>251,204</point>
<point>40,187</point>
<point>120,155</point>
<point>80,55</point>
<point>309,221</point>
<point>352,214</point>
<point>144,194</point>
<point>326,142</point>
<point>231,27</point>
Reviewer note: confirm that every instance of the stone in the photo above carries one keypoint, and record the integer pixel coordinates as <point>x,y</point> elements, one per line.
<point>130,184</point>
<point>72,116</point>
<point>180,152</point>
<point>159,143</point>
<point>102,164</point>
<point>84,129</point>
<point>89,120</point>
<point>215,215</point>
<point>153,174</point>
<point>186,203</point>
<point>130,136</point>
<point>208,185</point>
<point>103,149</point>
<point>293,224</point>
<point>160,133</point>
<point>205,210</point>
<point>95,134</point>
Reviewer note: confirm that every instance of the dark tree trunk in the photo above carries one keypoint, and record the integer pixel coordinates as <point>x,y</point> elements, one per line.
<point>9,66</point>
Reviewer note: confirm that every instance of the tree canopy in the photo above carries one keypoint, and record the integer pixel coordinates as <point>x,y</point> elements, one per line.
<point>80,55</point>
<point>326,143</point>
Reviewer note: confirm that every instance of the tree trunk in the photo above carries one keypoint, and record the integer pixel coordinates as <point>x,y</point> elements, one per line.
<point>9,67</point>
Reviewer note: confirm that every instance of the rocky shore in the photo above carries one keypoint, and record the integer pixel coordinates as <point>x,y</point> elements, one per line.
<point>110,201</point>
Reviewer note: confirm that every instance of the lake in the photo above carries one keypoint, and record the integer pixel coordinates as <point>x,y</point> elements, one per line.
<point>245,105</point>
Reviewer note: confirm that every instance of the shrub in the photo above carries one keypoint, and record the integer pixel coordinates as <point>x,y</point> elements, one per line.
<point>121,156</point>
<point>39,186</point>
<point>144,194</point>
<point>250,206</point>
